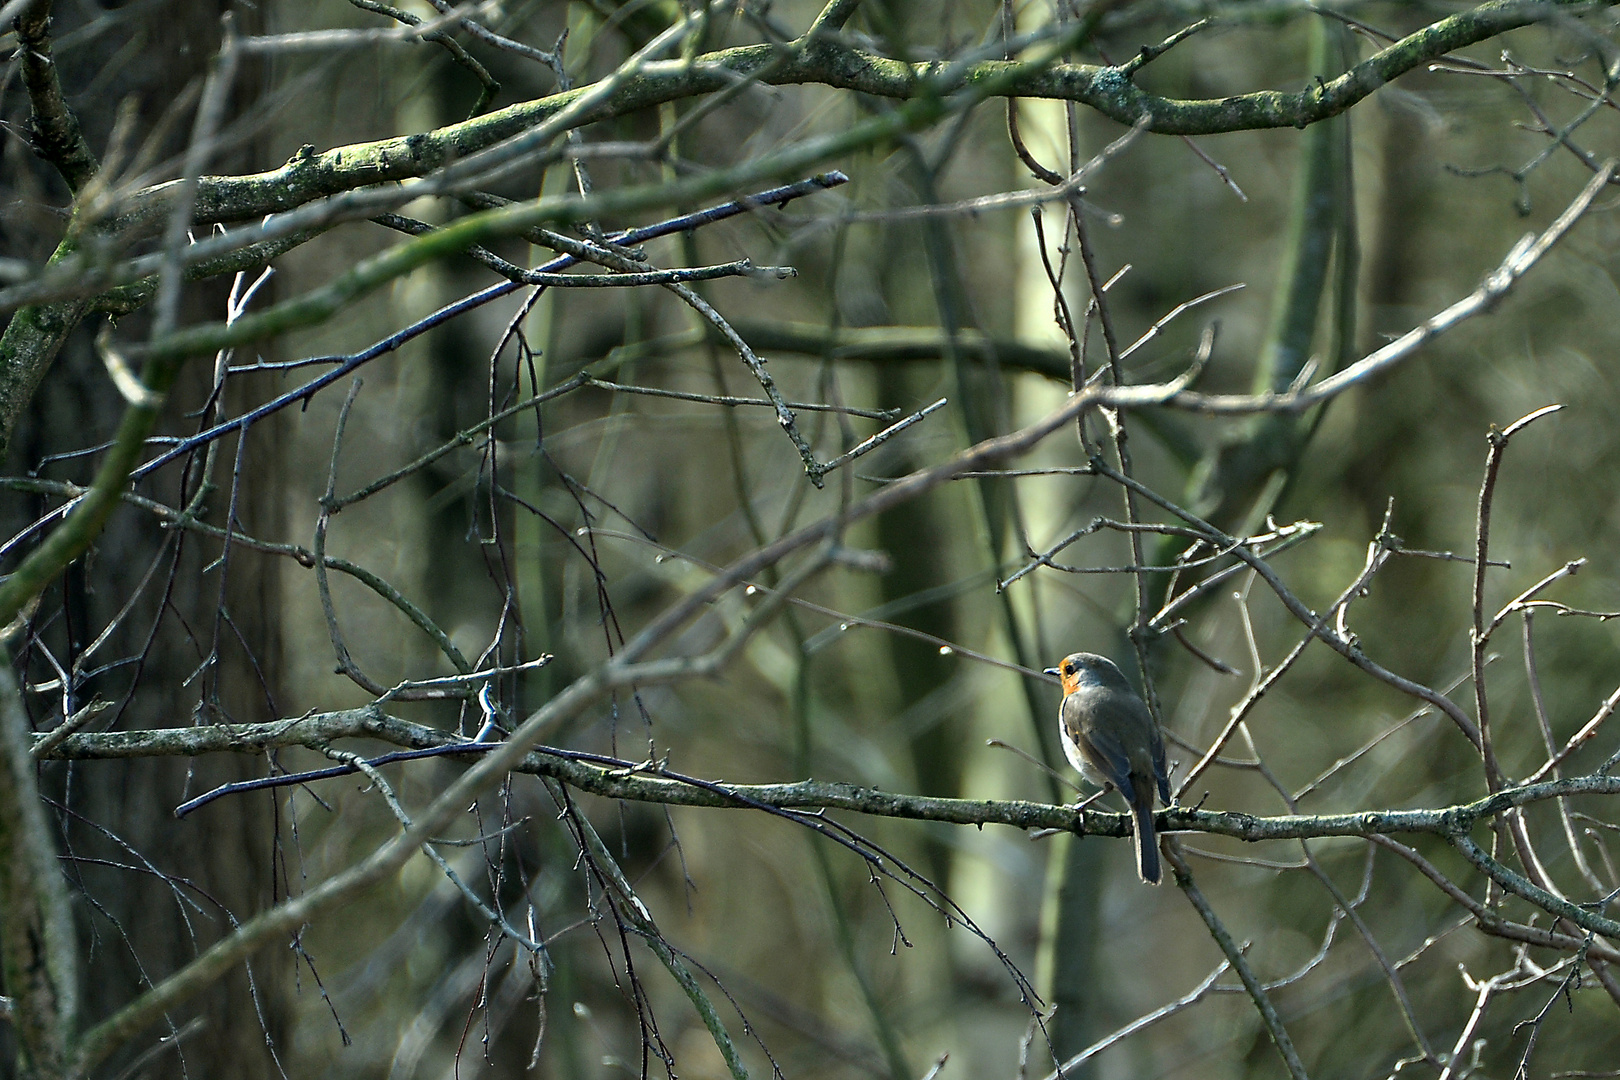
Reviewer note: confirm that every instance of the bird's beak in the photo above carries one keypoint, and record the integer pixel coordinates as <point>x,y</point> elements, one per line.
<point>1052,671</point>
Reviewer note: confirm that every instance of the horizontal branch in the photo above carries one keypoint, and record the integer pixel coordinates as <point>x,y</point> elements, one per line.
<point>616,779</point>
<point>835,63</point>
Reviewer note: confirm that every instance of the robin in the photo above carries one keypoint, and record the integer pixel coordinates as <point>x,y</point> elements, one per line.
<point>1111,738</point>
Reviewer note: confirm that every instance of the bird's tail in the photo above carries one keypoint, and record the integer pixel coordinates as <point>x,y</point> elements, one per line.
<point>1147,841</point>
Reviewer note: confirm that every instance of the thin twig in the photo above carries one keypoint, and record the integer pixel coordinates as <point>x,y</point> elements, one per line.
<point>1234,955</point>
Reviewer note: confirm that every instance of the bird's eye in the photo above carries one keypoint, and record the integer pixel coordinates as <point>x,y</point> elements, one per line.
<point>1068,669</point>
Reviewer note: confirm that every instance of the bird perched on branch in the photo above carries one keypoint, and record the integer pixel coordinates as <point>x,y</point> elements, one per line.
<point>1111,738</point>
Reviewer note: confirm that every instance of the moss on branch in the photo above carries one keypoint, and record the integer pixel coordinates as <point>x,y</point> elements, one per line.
<point>823,61</point>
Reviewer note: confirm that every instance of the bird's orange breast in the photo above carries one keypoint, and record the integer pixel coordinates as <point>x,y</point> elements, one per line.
<point>1071,682</point>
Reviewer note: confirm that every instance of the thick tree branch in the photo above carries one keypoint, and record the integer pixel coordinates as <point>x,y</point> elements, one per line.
<point>29,344</point>
<point>52,128</point>
<point>835,63</point>
<point>37,951</point>
<point>308,176</point>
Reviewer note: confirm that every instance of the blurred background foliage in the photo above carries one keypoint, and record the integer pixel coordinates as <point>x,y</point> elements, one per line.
<point>1398,208</point>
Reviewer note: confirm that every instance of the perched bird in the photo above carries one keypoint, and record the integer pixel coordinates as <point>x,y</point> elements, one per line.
<point>1110,737</point>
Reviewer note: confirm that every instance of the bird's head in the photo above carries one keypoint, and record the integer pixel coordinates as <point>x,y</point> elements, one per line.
<point>1087,669</point>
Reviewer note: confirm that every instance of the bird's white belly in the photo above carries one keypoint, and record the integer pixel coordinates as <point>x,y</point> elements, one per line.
<point>1081,765</point>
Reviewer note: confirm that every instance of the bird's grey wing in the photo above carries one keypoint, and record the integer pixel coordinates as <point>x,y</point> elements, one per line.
<point>1104,750</point>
